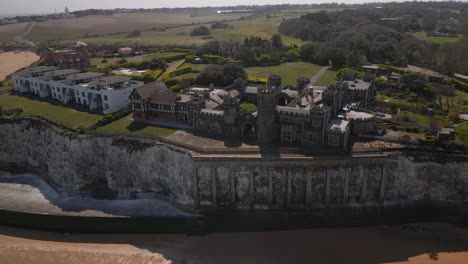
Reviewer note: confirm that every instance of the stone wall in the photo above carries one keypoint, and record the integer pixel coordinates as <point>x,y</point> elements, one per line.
<point>351,182</point>
<point>79,162</point>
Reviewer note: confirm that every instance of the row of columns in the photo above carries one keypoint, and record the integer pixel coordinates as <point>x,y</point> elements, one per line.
<point>308,175</point>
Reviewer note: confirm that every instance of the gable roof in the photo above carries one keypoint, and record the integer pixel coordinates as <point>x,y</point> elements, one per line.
<point>164,98</point>
<point>148,90</point>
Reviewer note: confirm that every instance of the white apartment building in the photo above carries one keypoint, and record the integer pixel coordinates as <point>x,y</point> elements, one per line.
<point>106,94</point>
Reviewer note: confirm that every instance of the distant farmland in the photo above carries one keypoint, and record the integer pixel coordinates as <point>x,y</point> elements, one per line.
<point>9,32</point>
<point>237,30</point>
<point>64,29</point>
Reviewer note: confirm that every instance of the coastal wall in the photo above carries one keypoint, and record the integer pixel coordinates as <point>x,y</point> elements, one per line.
<point>79,162</point>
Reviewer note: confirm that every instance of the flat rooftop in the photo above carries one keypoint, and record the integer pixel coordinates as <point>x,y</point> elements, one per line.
<point>60,72</point>
<point>358,84</point>
<point>110,80</point>
<point>339,125</point>
<point>357,115</point>
<point>37,69</point>
<point>84,75</point>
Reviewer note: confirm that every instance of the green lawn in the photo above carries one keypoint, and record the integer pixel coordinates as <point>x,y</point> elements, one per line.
<point>329,77</point>
<point>408,116</point>
<point>462,134</point>
<point>392,100</point>
<point>62,114</point>
<point>439,40</point>
<point>289,72</point>
<point>195,67</point>
<point>110,61</point>
<point>163,55</point>
<point>125,125</point>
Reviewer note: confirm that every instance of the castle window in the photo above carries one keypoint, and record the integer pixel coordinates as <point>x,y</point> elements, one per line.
<point>316,123</point>
<point>312,137</point>
<point>333,140</point>
<point>286,133</point>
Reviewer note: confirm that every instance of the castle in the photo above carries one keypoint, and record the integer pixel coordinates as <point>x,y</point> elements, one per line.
<point>314,118</point>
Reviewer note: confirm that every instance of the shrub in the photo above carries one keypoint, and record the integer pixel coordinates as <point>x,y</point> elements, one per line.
<point>175,88</point>
<point>187,82</point>
<point>218,25</point>
<point>134,34</point>
<point>122,61</point>
<point>200,31</point>
<point>254,80</point>
<point>267,59</point>
<point>104,61</point>
<point>216,59</point>
<point>180,71</point>
<point>170,82</point>
<point>148,76</point>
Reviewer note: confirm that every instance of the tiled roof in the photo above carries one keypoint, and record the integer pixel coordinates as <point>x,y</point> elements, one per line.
<point>164,98</point>
<point>149,89</point>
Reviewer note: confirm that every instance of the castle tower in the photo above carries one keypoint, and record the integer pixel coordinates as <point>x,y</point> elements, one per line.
<point>266,115</point>
<point>302,83</point>
<point>274,80</point>
<point>231,131</point>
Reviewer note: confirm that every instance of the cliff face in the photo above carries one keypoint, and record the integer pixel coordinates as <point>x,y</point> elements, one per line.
<point>105,164</point>
<point>97,164</point>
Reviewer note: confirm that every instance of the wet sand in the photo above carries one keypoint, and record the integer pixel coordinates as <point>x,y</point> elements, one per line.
<point>422,243</point>
<point>10,62</point>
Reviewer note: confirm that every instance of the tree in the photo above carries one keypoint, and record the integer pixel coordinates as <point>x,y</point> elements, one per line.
<point>122,61</point>
<point>276,41</point>
<point>307,52</point>
<point>211,74</point>
<point>211,47</point>
<point>246,55</point>
<point>200,31</point>
<point>220,75</point>
<point>232,72</point>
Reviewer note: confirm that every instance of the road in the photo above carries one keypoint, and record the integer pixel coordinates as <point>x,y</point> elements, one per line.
<point>319,74</point>
<point>20,38</point>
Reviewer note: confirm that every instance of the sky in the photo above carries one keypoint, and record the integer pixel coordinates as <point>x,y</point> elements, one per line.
<point>50,6</point>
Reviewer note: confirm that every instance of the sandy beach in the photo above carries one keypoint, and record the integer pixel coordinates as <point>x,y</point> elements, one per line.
<point>10,62</point>
<point>418,243</point>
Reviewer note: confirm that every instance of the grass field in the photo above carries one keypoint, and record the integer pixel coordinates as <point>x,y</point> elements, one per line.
<point>110,61</point>
<point>125,125</point>
<point>195,67</point>
<point>177,18</point>
<point>238,30</point>
<point>163,55</point>
<point>462,134</point>
<point>329,77</point>
<point>62,114</point>
<point>440,40</point>
<point>289,72</point>
<point>9,32</point>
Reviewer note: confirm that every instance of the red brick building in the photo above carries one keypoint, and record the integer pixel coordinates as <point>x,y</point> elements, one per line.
<point>77,58</point>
